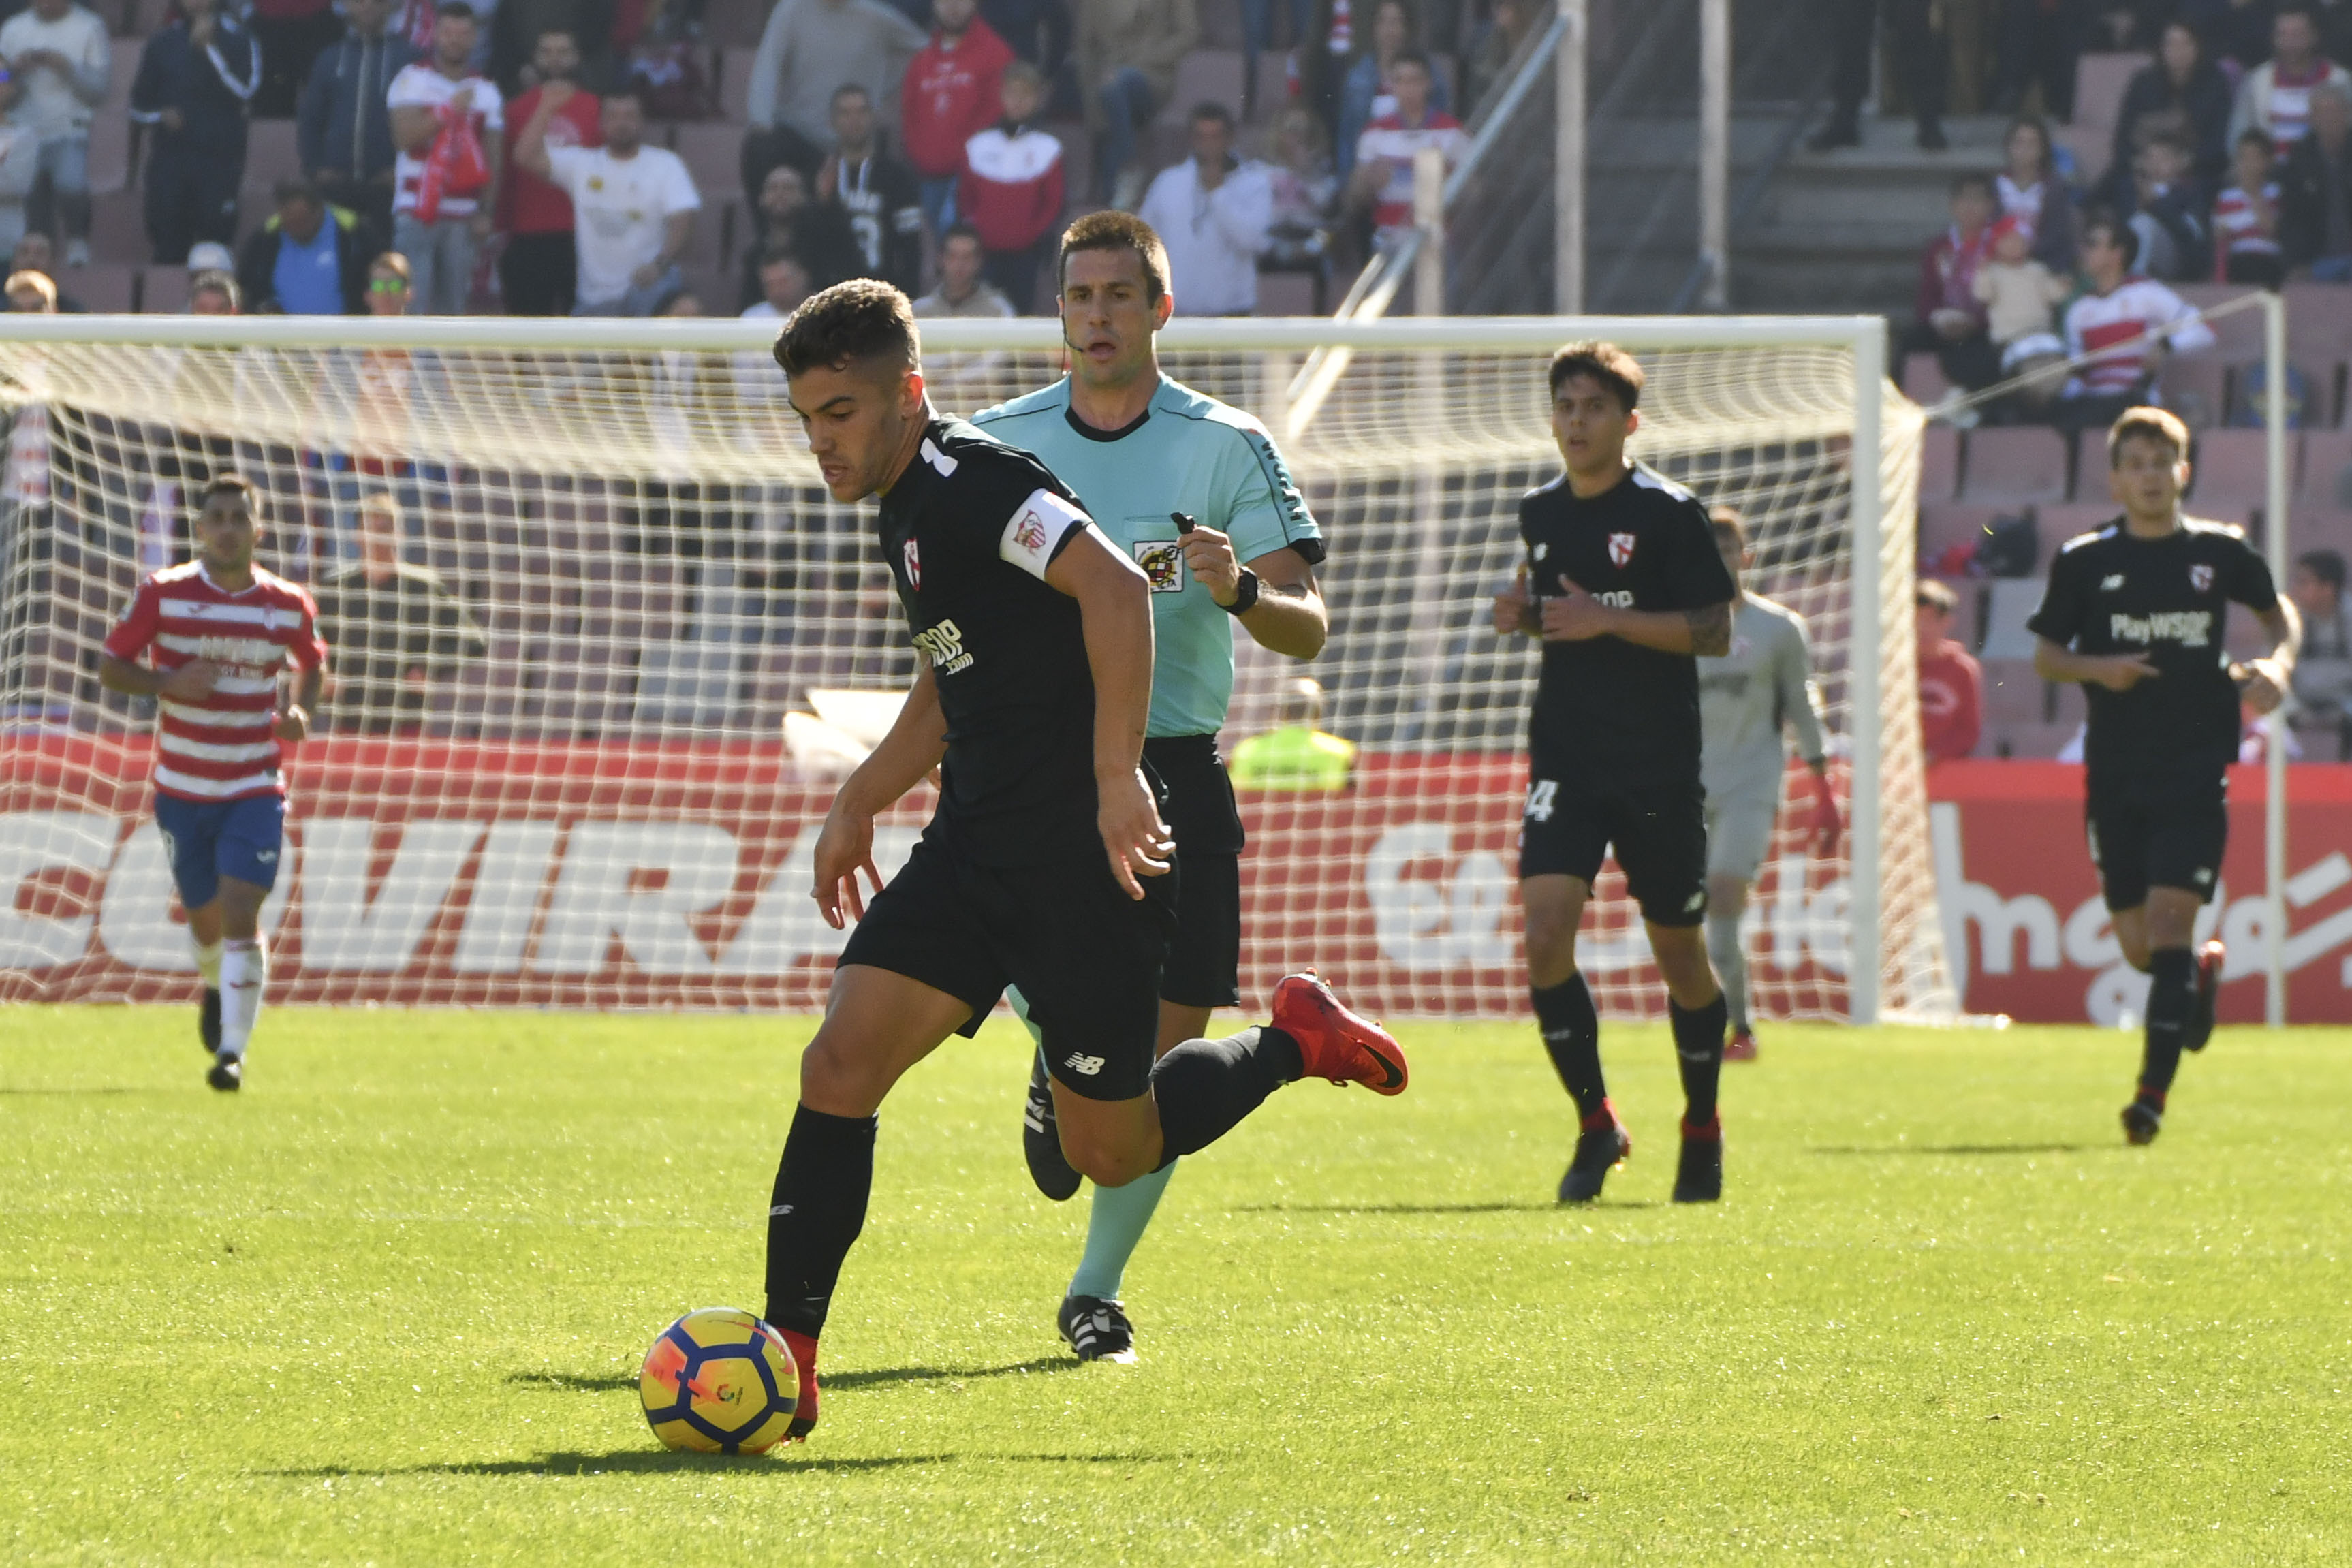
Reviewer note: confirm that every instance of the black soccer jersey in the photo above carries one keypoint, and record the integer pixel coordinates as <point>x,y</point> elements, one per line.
<point>1606,708</point>
<point>2168,598</point>
<point>967,531</point>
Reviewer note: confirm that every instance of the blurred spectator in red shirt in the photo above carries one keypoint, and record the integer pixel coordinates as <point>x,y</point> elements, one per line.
<point>950,95</point>
<point>1951,684</point>
<point>1012,188</point>
<point>539,271</point>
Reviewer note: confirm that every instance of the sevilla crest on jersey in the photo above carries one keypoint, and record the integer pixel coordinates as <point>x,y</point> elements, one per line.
<point>2201,577</point>
<point>1621,549</point>
<point>914,567</point>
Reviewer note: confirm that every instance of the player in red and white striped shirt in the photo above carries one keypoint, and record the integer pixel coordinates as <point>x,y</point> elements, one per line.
<point>222,631</point>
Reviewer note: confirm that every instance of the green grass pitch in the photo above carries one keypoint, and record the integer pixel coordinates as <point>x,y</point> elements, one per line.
<point>387,1305</point>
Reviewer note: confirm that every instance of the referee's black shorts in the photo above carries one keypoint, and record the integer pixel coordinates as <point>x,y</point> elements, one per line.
<point>2157,833</point>
<point>1659,833</point>
<point>1085,954</point>
<point>1204,955</point>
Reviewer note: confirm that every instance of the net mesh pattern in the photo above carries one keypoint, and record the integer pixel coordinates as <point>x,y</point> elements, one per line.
<point>594,778</point>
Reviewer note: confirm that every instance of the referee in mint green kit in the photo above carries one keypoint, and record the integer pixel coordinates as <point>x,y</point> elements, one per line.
<point>1194,490</point>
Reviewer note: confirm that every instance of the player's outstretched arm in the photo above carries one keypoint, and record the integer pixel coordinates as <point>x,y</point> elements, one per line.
<point>2116,672</point>
<point>2263,682</point>
<point>1115,603</point>
<point>917,739</point>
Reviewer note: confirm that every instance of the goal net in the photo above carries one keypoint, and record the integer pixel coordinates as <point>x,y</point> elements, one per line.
<point>603,646</point>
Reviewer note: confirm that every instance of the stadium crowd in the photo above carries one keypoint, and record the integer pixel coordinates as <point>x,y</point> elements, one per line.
<point>540,157</point>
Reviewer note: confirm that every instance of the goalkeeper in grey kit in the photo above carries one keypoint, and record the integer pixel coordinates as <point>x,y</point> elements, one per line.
<point>1747,698</point>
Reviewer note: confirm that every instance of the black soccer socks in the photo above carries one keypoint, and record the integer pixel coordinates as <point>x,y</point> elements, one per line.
<point>1698,1050</point>
<point>1204,1087</point>
<point>821,1187</point>
<point>1572,1033</point>
<point>2171,1001</point>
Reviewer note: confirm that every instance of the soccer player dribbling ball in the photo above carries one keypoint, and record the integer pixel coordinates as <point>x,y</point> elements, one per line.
<point>1047,862</point>
<point>1196,493</point>
<point>1761,684</point>
<point>222,631</point>
<point>1625,588</point>
<point>2137,612</point>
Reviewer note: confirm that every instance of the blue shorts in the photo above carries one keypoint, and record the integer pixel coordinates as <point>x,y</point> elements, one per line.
<point>207,840</point>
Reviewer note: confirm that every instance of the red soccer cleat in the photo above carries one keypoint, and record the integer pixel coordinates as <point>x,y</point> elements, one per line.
<point>1740,1047</point>
<point>803,1350</point>
<point>1333,1042</point>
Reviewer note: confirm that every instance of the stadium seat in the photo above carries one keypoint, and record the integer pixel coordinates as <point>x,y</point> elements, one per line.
<point>2325,479</point>
<point>1221,25</point>
<point>118,230</point>
<point>2233,467</point>
<point>2054,525</point>
<point>1944,524</point>
<point>1286,294</point>
<point>1204,76</point>
<point>107,288</point>
<point>2099,84</point>
<point>2319,321</point>
<point>2093,147</point>
<point>735,22</point>
<point>2197,387</point>
<point>1939,464</point>
<point>2010,603</point>
<point>2239,331</point>
<point>1923,380</point>
<point>2013,692</point>
<point>164,290</point>
<point>2014,463</point>
<point>712,153</point>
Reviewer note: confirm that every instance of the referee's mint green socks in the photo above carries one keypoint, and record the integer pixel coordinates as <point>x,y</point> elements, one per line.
<point>1115,1230</point>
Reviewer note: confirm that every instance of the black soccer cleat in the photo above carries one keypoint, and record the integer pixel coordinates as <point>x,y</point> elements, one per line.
<point>227,1074</point>
<point>1601,1148</point>
<point>208,1021</point>
<point>1698,1177</point>
<point>1041,1138</point>
<point>2143,1119</point>
<point>1096,1330</point>
<point>2210,958</point>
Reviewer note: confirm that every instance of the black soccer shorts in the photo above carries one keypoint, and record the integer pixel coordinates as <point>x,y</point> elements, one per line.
<point>1659,833</point>
<point>2158,836</point>
<point>1204,956</point>
<point>1085,954</point>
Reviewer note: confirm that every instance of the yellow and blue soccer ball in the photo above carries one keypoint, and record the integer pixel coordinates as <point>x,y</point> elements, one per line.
<point>721,1382</point>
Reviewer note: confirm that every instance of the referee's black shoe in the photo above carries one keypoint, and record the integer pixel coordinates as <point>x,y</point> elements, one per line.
<point>1097,1329</point>
<point>1601,1148</point>
<point>1698,1177</point>
<point>1041,1138</point>
<point>208,1021</point>
<point>2210,958</point>
<point>2143,1119</point>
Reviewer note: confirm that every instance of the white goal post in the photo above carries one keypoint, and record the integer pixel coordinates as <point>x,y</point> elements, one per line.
<point>595,781</point>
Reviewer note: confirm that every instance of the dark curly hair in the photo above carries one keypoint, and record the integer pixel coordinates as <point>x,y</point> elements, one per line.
<point>859,320</point>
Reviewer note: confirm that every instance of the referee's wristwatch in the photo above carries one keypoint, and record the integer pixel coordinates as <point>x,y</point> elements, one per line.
<point>1244,595</point>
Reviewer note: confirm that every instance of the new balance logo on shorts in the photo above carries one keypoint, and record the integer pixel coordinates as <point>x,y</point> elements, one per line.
<point>1543,796</point>
<point>1087,1064</point>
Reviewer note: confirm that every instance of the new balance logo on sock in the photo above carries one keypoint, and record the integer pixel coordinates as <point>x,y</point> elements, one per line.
<point>1087,1064</point>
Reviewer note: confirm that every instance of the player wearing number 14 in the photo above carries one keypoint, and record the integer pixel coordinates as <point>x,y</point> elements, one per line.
<point>1625,587</point>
